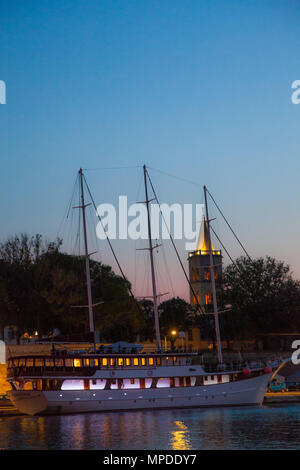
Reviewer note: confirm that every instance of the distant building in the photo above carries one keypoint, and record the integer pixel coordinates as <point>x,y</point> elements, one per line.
<point>199,269</point>
<point>10,334</point>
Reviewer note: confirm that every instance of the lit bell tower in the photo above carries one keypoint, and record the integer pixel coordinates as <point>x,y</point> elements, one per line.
<point>199,269</point>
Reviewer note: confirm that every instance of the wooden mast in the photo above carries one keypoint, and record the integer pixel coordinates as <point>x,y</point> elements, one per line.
<point>87,262</point>
<point>157,331</point>
<point>213,284</point>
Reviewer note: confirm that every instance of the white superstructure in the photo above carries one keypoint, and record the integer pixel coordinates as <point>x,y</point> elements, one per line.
<point>89,383</point>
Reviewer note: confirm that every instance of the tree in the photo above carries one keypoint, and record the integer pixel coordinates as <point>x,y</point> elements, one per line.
<point>40,286</point>
<point>148,332</point>
<point>264,298</point>
<point>175,314</point>
<point>19,301</point>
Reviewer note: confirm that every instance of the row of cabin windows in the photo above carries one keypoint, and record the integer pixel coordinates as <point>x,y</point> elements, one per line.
<point>94,384</point>
<point>90,362</point>
<point>206,274</point>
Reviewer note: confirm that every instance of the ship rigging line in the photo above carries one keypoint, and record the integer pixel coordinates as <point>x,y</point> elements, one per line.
<point>111,247</point>
<point>240,243</point>
<point>174,246</point>
<point>112,168</point>
<point>231,259</point>
<point>197,184</point>
<point>176,177</point>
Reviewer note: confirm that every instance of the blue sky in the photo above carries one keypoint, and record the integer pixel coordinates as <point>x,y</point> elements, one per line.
<point>198,89</point>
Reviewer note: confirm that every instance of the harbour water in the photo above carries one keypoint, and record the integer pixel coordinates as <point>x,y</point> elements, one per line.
<point>265,427</point>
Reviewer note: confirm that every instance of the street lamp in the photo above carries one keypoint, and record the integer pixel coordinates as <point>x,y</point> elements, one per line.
<point>173,338</point>
<point>172,335</point>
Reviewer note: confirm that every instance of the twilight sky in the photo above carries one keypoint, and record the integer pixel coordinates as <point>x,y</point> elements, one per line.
<point>197,89</point>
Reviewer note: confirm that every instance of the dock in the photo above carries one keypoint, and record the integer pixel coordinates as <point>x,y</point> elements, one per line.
<point>282,397</point>
<point>8,409</point>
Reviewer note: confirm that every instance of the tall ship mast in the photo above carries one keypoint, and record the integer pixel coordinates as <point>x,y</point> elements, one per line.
<point>87,263</point>
<point>129,378</point>
<point>151,248</point>
<point>213,283</point>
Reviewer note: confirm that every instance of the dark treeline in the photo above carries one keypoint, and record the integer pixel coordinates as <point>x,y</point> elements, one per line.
<point>259,297</point>
<point>40,286</point>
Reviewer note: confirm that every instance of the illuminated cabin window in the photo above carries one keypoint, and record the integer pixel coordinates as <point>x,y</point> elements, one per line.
<point>120,361</point>
<point>112,361</point>
<point>77,362</point>
<point>28,385</point>
<point>30,362</point>
<point>86,362</point>
<point>163,382</point>
<point>68,362</point>
<point>208,298</point>
<point>151,361</point>
<point>39,362</point>
<point>135,361</point>
<point>128,361</point>
<point>72,385</point>
<point>98,384</point>
<point>49,363</point>
<point>158,361</point>
<point>104,361</point>
<point>22,362</point>
<point>143,361</point>
<point>59,362</point>
<point>96,362</point>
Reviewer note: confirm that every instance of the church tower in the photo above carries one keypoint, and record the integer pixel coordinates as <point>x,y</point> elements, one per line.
<point>199,269</point>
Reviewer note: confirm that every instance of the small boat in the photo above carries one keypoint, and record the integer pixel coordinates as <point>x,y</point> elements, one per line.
<point>127,378</point>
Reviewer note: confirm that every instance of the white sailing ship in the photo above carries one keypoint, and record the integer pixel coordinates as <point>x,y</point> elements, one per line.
<point>93,381</point>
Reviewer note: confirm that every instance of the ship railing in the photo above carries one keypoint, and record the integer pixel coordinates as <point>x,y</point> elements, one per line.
<point>233,366</point>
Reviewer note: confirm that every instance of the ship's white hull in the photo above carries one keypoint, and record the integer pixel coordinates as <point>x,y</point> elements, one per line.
<point>245,392</point>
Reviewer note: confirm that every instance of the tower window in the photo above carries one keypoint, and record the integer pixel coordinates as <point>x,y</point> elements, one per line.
<point>208,298</point>
<point>207,274</point>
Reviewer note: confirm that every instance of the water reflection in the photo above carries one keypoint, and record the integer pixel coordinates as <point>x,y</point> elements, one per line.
<point>180,437</point>
<point>235,428</point>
